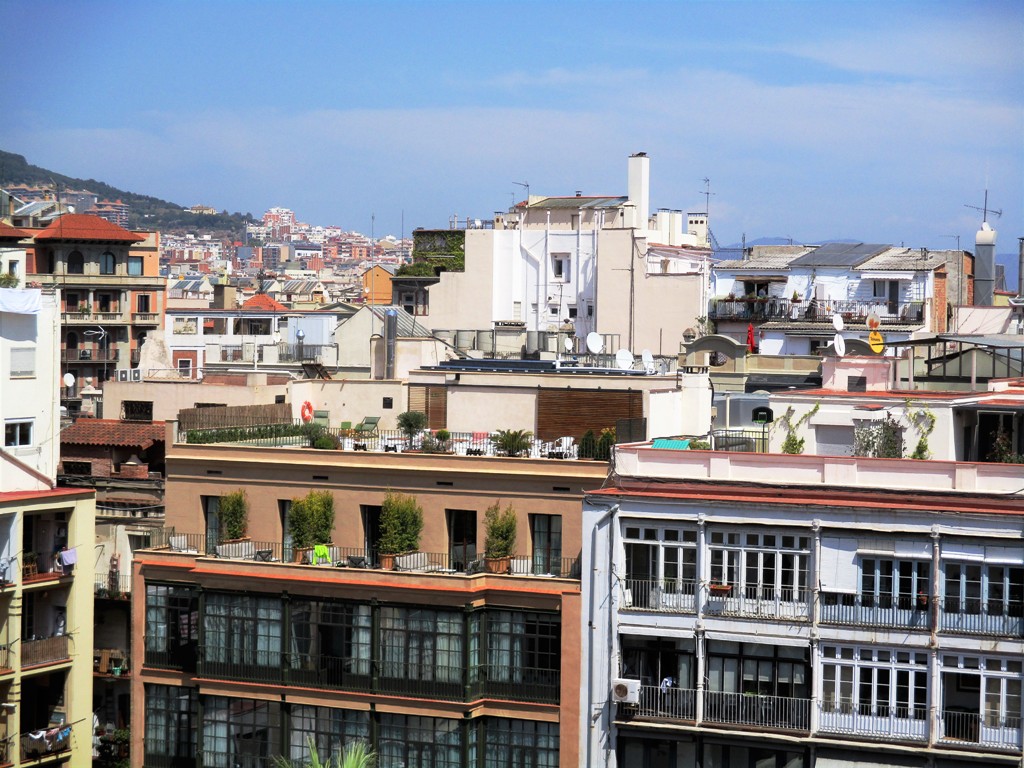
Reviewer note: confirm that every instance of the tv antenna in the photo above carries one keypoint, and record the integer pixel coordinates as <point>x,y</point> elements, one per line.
<point>985,210</point>
<point>708,194</point>
<point>525,185</point>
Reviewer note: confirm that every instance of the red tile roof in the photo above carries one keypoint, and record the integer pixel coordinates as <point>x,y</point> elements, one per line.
<point>7,232</point>
<point>133,434</point>
<point>263,302</point>
<point>82,226</point>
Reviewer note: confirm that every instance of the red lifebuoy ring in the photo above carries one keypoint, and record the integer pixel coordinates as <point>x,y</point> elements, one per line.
<point>307,411</point>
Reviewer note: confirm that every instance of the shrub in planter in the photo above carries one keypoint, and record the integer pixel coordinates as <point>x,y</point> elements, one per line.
<point>401,523</point>
<point>234,514</point>
<point>512,442</point>
<point>588,445</point>
<point>604,444</point>
<point>499,537</point>
<point>311,519</point>
<point>326,442</point>
<point>412,423</point>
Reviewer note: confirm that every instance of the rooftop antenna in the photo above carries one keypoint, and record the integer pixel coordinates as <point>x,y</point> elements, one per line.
<point>985,210</point>
<point>525,185</point>
<point>707,196</point>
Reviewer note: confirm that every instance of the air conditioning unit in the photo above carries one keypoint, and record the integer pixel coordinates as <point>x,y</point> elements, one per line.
<point>122,374</point>
<point>136,374</point>
<point>626,691</point>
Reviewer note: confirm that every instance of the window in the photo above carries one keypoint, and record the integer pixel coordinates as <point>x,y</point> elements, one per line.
<point>185,367</point>
<point>185,325</point>
<point>894,583</point>
<point>108,263</point>
<point>572,311</point>
<point>241,631</point>
<point>330,643</point>
<point>760,566</point>
<point>239,732</point>
<point>418,645</point>
<point>546,532</point>
<point>77,467</point>
<point>211,517</point>
<point>23,362</point>
<point>426,742</point>
<point>516,654</point>
<point>135,265</point>
<point>172,625</point>
<point>171,715</point>
<point>137,410</point>
<point>874,682</point>
<point>661,566</point>
<point>330,729</point>
<point>461,538</point>
<point>739,674</point>
<point>76,263</point>
<point>561,267</point>
<point>518,743</point>
<point>18,434</point>
<point>994,592</point>
<point>142,303</point>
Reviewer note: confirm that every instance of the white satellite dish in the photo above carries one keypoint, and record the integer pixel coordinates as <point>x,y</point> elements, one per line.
<point>647,357</point>
<point>624,359</point>
<point>594,343</point>
<point>69,380</point>
<point>567,344</point>
<point>837,322</point>
<point>839,344</point>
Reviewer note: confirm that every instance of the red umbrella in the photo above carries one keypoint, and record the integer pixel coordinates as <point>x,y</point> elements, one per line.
<point>750,337</point>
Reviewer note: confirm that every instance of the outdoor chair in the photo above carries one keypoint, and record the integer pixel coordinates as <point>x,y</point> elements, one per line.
<point>367,427</point>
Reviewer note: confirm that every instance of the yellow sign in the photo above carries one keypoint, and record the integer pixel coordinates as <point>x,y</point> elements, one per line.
<point>876,342</point>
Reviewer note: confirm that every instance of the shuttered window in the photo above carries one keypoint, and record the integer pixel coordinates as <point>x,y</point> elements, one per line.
<point>571,412</point>
<point>431,400</point>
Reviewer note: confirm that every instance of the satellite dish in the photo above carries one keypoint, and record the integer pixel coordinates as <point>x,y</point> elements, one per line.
<point>567,344</point>
<point>594,343</point>
<point>647,357</point>
<point>873,321</point>
<point>69,380</point>
<point>624,359</point>
<point>839,344</point>
<point>837,322</point>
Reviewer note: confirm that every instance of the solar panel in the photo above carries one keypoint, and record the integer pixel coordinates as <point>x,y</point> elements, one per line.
<point>839,255</point>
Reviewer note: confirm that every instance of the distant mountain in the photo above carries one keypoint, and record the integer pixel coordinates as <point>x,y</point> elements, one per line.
<point>145,212</point>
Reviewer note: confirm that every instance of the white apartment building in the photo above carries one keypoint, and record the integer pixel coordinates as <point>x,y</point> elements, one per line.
<point>584,263</point>
<point>752,610</point>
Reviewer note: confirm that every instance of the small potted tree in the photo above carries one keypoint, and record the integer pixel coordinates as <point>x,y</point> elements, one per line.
<point>512,442</point>
<point>401,523</point>
<point>605,443</point>
<point>499,537</point>
<point>234,516</point>
<point>588,445</point>
<point>311,522</point>
<point>411,423</point>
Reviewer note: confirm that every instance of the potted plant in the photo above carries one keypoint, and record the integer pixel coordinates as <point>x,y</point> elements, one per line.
<point>588,445</point>
<point>311,522</point>
<point>234,515</point>
<point>795,299</point>
<point>401,523</point>
<point>718,589</point>
<point>499,537</point>
<point>512,442</point>
<point>605,443</point>
<point>411,423</point>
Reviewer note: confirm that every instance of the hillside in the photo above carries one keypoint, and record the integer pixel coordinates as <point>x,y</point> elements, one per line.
<point>145,212</point>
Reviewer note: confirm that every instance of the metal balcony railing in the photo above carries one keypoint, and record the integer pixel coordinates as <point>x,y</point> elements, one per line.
<point>858,611</point>
<point>814,311</point>
<point>664,596</point>
<point>982,617</point>
<point>114,586</point>
<point>48,650</point>
<point>774,712</point>
<point>881,722</point>
<point>89,355</point>
<point>667,702</point>
<point>765,603</point>
<point>516,684</point>
<point>989,730</point>
<point>423,680</point>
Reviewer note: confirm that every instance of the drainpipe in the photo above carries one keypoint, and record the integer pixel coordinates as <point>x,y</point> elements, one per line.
<point>592,713</point>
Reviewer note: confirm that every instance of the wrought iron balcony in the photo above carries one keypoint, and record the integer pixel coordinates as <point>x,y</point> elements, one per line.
<point>861,611</point>
<point>881,722</point>
<point>761,602</point>
<point>995,730</point>
<point>814,311</point>
<point>664,596</point>
<point>667,703</point>
<point>982,617</point>
<point>774,712</point>
<point>89,355</point>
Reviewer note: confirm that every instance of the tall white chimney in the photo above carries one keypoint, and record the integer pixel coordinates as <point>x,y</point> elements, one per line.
<point>984,266</point>
<point>640,188</point>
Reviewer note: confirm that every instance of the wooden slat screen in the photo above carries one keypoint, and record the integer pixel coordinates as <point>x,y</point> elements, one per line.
<point>431,400</point>
<point>571,412</point>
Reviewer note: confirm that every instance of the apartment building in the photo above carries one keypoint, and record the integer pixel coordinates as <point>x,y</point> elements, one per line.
<point>112,292</point>
<point>248,650</point>
<point>802,611</point>
<point>46,540</point>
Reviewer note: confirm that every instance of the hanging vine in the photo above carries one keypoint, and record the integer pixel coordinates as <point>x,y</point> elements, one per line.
<point>923,421</point>
<point>792,444</point>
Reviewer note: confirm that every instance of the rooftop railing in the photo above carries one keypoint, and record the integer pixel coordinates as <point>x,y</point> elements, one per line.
<point>814,311</point>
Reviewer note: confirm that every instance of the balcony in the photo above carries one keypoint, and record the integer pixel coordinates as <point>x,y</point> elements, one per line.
<point>759,602</point>
<point>976,617</point>
<point>661,596</point>
<point>115,586</point>
<point>857,611</point>
<point>988,730</point>
<point>884,723</point>
<point>667,703</point>
<point>93,318</point>
<point>778,713</point>
<point>145,318</point>
<point>48,650</point>
<point>250,664</point>
<point>89,355</point>
<point>516,684</point>
<point>778,309</point>
<point>38,744</point>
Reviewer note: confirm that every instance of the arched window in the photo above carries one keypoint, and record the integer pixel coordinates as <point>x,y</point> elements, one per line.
<point>76,263</point>
<point>108,263</point>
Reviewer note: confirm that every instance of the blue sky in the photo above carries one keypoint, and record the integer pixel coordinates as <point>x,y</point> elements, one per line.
<point>862,120</point>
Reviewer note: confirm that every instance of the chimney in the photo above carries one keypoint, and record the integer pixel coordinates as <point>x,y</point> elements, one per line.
<point>984,266</point>
<point>640,188</point>
<point>224,296</point>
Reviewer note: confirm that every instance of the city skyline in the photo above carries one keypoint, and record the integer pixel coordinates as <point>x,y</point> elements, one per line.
<point>860,120</point>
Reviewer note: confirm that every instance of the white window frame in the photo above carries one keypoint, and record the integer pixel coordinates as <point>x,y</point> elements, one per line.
<point>26,363</point>
<point>753,564</point>
<point>866,681</point>
<point>19,424</point>
<point>561,267</point>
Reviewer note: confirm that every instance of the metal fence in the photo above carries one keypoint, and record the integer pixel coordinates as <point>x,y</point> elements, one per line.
<point>740,440</point>
<point>44,651</point>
